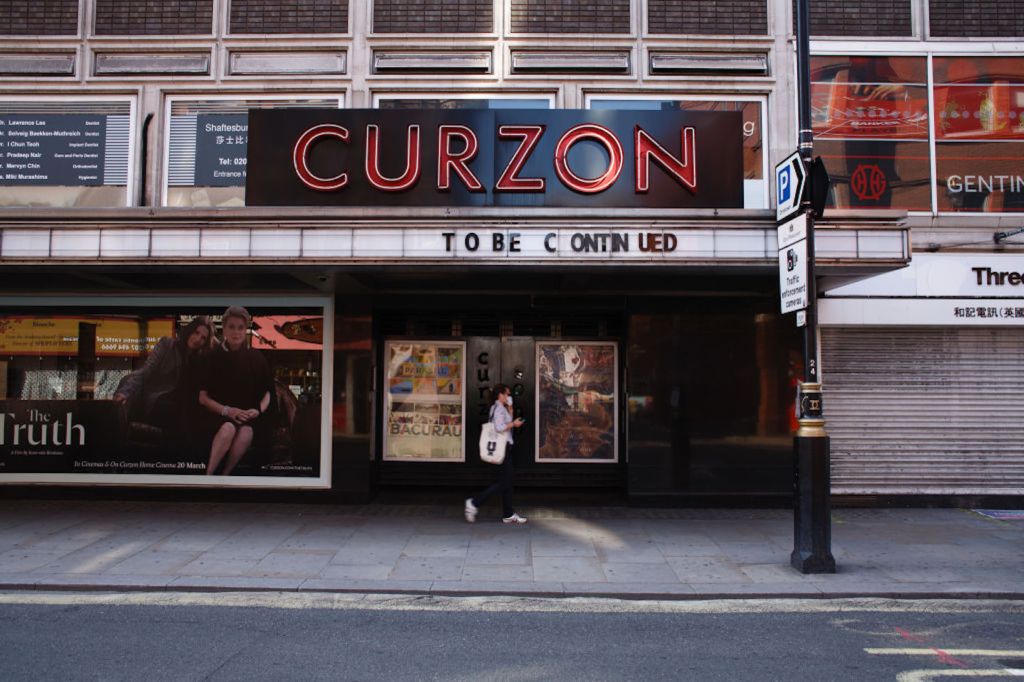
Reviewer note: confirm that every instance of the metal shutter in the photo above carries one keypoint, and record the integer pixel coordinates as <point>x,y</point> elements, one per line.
<point>925,411</point>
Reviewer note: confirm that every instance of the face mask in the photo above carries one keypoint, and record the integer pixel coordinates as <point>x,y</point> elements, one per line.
<point>509,399</point>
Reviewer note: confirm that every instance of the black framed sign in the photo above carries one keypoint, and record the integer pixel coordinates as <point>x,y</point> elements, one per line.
<point>564,158</point>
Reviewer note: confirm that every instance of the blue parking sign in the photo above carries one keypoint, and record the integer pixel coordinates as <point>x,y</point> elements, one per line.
<point>789,186</point>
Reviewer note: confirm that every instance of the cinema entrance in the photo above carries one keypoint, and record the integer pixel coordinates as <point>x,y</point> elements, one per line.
<point>565,375</point>
<point>659,386</point>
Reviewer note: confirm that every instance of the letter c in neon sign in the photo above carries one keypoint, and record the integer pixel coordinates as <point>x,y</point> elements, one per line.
<point>300,157</point>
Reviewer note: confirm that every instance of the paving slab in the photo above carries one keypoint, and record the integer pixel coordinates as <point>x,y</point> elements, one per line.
<point>429,549</point>
<point>427,568</point>
<point>495,572</point>
<point>568,568</point>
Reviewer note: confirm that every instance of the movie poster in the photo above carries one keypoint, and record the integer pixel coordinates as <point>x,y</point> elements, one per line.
<point>181,393</point>
<point>577,402</point>
<point>425,401</point>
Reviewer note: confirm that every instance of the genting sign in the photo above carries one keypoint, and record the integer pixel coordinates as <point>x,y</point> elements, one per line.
<point>494,158</point>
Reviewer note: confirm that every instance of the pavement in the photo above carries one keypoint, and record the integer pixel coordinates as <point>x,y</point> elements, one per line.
<point>428,549</point>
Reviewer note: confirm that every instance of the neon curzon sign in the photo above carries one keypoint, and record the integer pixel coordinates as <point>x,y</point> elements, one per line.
<point>458,146</point>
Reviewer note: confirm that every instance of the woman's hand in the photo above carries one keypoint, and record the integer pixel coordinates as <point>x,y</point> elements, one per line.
<point>243,416</point>
<point>233,414</point>
<point>517,423</point>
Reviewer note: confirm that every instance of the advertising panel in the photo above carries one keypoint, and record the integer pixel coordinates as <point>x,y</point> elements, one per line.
<point>58,335</point>
<point>426,399</point>
<point>165,392</point>
<point>527,157</point>
<point>577,402</point>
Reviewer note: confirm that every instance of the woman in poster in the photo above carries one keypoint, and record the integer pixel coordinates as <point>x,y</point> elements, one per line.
<point>501,416</point>
<point>158,392</point>
<point>235,392</point>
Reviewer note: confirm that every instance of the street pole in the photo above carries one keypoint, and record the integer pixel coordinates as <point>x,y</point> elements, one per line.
<point>812,523</point>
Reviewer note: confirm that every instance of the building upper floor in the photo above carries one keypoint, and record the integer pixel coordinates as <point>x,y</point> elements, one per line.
<point>917,105</point>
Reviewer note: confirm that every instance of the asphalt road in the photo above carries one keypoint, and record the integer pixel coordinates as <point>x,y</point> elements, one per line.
<point>269,636</point>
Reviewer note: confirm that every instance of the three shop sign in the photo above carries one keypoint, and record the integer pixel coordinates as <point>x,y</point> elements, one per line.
<point>512,158</point>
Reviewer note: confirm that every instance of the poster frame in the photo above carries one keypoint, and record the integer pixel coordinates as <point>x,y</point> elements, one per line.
<point>388,343</point>
<point>321,482</point>
<point>615,408</point>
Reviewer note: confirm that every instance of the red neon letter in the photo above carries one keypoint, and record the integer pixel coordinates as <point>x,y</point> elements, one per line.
<point>605,138</point>
<point>300,158</point>
<point>510,180</point>
<point>412,161</point>
<point>684,171</point>
<point>447,161</point>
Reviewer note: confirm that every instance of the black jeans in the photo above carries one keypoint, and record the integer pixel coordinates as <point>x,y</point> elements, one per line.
<point>503,484</point>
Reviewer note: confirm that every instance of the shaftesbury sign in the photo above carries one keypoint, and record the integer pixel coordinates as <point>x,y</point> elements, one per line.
<point>567,158</point>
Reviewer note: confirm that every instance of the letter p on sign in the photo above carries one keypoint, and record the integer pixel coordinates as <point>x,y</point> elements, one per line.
<point>784,187</point>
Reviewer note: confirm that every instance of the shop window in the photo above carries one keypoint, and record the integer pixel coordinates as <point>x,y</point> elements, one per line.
<point>870,121</point>
<point>979,133</point>
<point>755,189</point>
<point>692,433</point>
<point>353,376</point>
<point>66,153</point>
<point>206,149</point>
<point>140,392</point>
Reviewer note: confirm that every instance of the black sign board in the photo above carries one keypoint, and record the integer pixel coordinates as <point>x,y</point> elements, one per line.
<point>564,158</point>
<point>220,150</point>
<point>52,149</point>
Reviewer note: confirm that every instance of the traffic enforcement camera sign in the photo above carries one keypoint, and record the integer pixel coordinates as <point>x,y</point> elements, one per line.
<point>790,177</point>
<point>793,264</point>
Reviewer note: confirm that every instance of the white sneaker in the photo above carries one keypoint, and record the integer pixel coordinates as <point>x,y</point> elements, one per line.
<point>471,510</point>
<point>515,518</point>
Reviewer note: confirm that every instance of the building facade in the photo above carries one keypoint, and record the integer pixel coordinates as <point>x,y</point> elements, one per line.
<point>314,162</point>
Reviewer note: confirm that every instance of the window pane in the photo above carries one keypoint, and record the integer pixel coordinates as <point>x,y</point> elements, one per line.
<point>458,103</point>
<point>979,112</point>
<point>979,132</point>
<point>753,140</point>
<point>870,120</point>
<point>207,148</point>
<point>980,176</point>
<point>959,70</point>
<point>877,173</point>
<point>681,440</point>
<point>64,153</point>
<point>869,97</point>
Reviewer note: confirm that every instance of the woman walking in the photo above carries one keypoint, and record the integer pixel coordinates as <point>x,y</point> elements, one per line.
<point>501,417</point>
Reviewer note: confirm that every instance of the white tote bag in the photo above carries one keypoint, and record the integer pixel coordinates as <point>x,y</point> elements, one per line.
<point>492,443</point>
